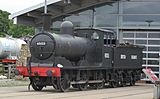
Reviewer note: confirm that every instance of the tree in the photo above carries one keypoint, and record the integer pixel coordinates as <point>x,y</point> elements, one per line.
<point>20,30</point>
<point>7,27</point>
<point>4,22</point>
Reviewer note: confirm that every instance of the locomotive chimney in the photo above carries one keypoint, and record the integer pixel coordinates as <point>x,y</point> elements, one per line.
<point>46,18</point>
<point>67,28</point>
<point>46,21</point>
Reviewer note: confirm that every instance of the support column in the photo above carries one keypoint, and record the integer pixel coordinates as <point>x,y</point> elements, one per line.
<point>156,91</point>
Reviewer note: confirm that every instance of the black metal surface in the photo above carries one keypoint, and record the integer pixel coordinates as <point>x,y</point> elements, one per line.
<point>128,62</point>
<point>44,45</point>
<point>67,28</point>
<point>70,47</point>
<point>46,21</point>
<point>86,55</point>
<point>83,49</point>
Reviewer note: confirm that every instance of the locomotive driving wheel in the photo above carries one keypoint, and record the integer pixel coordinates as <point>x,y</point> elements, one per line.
<point>120,80</point>
<point>83,86</point>
<point>123,80</point>
<point>114,83</point>
<point>35,86</point>
<point>74,86</point>
<point>132,82</point>
<point>100,77</point>
<point>63,82</point>
<point>132,79</point>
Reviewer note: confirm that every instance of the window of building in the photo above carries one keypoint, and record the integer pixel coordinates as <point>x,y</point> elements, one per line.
<point>141,41</point>
<point>153,62</point>
<point>141,35</point>
<point>128,35</point>
<point>82,19</point>
<point>106,18</point>
<point>141,7</point>
<point>154,35</point>
<point>56,24</point>
<point>138,13</point>
<point>153,48</point>
<point>141,20</point>
<point>154,42</point>
<point>153,55</point>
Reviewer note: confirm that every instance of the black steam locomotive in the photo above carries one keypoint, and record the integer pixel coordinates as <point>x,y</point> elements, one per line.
<point>84,57</point>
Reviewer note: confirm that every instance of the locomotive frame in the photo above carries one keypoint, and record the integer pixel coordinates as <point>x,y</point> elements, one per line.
<point>93,58</point>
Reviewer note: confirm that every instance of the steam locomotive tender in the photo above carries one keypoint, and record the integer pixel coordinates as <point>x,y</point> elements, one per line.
<point>86,57</point>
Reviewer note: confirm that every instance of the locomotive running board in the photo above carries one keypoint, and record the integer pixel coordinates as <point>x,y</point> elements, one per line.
<point>95,81</point>
<point>79,82</point>
<point>83,82</point>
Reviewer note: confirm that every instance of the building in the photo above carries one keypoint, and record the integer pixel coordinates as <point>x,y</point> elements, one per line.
<point>135,21</point>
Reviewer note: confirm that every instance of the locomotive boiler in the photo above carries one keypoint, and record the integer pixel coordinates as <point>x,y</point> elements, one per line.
<point>45,45</point>
<point>84,57</point>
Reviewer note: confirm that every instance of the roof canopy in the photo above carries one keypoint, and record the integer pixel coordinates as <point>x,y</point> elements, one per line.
<point>57,8</point>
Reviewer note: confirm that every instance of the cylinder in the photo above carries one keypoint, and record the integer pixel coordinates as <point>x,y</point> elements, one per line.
<point>10,47</point>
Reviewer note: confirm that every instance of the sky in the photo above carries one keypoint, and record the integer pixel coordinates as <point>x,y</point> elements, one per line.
<point>17,5</point>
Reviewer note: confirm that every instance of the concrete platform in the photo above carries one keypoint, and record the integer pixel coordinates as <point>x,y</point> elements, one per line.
<point>140,91</point>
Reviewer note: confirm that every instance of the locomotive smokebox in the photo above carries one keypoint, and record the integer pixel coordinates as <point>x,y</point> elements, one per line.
<point>67,28</point>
